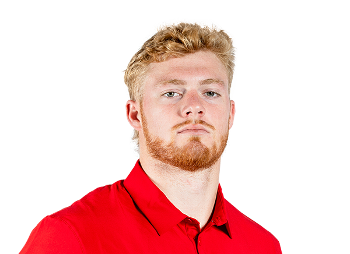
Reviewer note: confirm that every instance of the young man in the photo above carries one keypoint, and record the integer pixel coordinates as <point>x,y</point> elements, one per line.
<point>180,108</point>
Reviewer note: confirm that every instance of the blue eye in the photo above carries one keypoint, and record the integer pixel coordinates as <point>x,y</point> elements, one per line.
<point>171,94</point>
<point>212,94</point>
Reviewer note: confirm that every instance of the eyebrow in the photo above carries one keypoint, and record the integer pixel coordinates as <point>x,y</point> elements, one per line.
<point>172,81</point>
<point>211,81</point>
<point>182,82</point>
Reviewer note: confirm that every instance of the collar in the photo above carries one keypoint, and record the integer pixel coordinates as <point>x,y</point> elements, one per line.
<point>220,217</point>
<point>160,212</point>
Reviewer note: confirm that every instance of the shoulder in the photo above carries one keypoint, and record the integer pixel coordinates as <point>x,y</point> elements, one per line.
<point>53,235</point>
<point>96,201</point>
<point>68,230</point>
<point>246,228</point>
<point>97,204</point>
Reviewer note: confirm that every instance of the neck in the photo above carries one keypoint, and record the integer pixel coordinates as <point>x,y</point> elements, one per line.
<point>193,193</point>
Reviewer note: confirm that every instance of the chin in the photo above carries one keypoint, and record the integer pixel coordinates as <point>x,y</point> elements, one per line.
<point>193,156</point>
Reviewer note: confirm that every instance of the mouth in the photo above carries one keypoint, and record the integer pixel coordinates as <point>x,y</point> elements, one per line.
<point>193,130</point>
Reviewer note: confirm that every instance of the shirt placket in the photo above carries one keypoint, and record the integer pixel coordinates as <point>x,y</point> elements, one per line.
<point>192,230</point>
<point>195,234</point>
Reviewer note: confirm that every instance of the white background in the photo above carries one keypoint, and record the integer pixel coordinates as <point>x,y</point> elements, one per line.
<point>316,108</point>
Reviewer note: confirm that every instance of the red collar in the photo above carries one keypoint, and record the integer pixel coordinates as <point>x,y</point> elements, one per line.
<point>159,211</point>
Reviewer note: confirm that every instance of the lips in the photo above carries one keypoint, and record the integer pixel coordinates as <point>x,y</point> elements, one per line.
<point>193,129</point>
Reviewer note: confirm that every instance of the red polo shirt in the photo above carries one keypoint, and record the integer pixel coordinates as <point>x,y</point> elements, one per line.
<point>134,216</point>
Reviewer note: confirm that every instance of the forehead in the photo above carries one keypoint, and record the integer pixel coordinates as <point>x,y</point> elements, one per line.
<point>195,67</point>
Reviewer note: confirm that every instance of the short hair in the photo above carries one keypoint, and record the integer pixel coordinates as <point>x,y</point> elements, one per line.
<point>177,41</point>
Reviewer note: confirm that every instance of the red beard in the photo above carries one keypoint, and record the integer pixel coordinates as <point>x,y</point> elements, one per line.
<point>191,157</point>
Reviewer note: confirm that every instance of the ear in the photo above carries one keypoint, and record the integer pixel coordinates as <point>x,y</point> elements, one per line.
<point>133,114</point>
<point>232,113</point>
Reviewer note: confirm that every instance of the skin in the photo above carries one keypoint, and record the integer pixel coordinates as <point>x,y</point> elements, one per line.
<point>177,94</point>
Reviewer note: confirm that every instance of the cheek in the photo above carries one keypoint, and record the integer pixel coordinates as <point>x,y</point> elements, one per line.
<point>157,117</point>
<point>220,118</point>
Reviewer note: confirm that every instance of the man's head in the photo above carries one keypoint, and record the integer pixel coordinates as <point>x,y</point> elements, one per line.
<point>179,86</point>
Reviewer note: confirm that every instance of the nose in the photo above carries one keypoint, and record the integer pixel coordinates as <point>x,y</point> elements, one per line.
<point>192,106</point>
